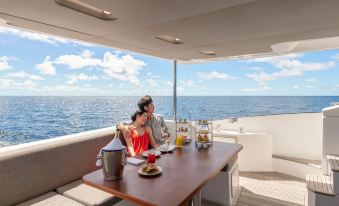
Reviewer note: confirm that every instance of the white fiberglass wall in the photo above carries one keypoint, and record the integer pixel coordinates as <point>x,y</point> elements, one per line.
<point>294,135</point>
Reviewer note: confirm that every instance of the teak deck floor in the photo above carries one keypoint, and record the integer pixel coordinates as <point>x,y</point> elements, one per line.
<point>269,189</point>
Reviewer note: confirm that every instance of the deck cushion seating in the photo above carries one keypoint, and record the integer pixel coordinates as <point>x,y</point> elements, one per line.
<point>50,199</point>
<point>87,195</point>
<point>33,169</point>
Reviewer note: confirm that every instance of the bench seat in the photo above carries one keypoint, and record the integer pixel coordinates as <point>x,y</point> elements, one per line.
<point>87,195</point>
<point>37,168</point>
<point>50,199</point>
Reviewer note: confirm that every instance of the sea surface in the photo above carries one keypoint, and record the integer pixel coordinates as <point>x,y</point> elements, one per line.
<point>27,119</point>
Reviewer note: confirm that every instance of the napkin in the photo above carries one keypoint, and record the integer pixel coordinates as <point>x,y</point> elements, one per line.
<point>135,161</point>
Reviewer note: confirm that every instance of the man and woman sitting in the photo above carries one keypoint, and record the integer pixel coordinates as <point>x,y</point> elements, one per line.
<point>146,129</point>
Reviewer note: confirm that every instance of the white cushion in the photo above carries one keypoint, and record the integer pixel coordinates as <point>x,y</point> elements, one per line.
<point>50,199</point>
<point>86,194</point>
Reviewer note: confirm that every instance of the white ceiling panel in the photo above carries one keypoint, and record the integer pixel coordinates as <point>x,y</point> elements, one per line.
<point>229,27</point>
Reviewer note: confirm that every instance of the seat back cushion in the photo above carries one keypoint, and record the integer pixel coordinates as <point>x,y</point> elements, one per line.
<point>31,169</point>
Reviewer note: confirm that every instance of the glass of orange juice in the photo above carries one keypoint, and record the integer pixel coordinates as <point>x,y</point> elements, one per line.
<point>178,141</point>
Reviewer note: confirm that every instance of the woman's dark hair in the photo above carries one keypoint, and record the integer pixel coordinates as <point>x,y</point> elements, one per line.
<point>144,102</point>
<point>138,112</point>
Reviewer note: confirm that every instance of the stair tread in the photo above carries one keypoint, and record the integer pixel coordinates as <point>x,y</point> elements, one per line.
<point>334,162</point>
<point>319,184</point>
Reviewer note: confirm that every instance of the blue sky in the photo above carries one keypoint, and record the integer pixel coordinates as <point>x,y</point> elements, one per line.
<point>37,64</point>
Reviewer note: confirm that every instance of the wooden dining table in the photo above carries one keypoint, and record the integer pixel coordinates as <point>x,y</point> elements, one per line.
<point>184,172</point>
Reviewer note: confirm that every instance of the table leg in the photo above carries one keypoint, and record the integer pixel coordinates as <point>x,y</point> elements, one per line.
<point>196,201</point>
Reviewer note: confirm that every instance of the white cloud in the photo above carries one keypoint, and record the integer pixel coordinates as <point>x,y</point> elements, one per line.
<point>152,82</point>
<point>117,52</point>
<point>187,83</point>
<point>296,87</point>
<point>124,67</point>
<point>254,68</point>
<point>214,75</point>
<point>78,61</point>
<point>46,68</point>
<point>310,86</point>
<point>190,83</point>
<point>11,84</point>
<point>74,78</point>
<point>151,75</point>
<point>336,57</point>
<point>4,65</point>
<point>288,66</point>
<point>180,89</point>
<point>29,84</point>
<point>261,89</point>
<point>104,77</point>
<point>261,77</point>
<point>311,80</point>
<point>34,36</point>
<point>22,74</point>
<point>87,53</point>
<point>169,84</point>
<point>6,83</point>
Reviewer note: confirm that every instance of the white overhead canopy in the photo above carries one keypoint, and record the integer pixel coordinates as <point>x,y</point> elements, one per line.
<point>230,28</point>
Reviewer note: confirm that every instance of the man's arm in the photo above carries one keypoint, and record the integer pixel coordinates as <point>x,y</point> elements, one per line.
<point>124,128</point>
<point>164,126</point>
<point>151,137</point>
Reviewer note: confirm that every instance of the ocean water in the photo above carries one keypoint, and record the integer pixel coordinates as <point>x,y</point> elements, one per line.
<point>27,119</point>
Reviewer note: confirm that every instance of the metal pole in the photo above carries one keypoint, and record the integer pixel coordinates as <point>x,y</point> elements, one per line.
<point>175,90</point>
<point>175,97</point>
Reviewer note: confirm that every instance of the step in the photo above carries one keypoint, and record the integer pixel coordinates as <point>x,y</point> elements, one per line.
<point>319,199</point>
<point>333,162</point>
<point>320,191</point>
<point>319,184</point>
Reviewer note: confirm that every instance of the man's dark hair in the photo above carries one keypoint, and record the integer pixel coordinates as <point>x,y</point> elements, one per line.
<point>144,102</point>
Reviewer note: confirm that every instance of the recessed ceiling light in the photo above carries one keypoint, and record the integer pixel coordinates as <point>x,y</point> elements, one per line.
<point>284,46</point>
<point>87,9</point>
<point>3,22</point>
<point>170,39</point>
<point>208,52</point>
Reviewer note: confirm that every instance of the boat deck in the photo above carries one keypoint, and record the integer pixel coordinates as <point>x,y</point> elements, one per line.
<point>268,189</point>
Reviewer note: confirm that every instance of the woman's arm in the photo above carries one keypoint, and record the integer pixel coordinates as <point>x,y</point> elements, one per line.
<point>129,145</point>
<point>151,137</point>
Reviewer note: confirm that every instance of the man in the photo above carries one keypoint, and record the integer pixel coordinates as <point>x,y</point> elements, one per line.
<point>154,121</point>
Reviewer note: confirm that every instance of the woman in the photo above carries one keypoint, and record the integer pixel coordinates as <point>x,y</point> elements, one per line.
<point>141,135</point>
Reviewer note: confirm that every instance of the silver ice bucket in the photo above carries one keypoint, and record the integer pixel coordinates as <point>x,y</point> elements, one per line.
<point>113,162</point>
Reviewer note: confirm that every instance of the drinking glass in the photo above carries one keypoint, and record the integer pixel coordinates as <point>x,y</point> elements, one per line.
<point>167,143</point>
<point>151,158</point>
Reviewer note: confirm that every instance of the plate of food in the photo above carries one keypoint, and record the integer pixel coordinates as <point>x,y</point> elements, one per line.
<point>145,153</point>
<point>149,170</point>
<point>163,148</point>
